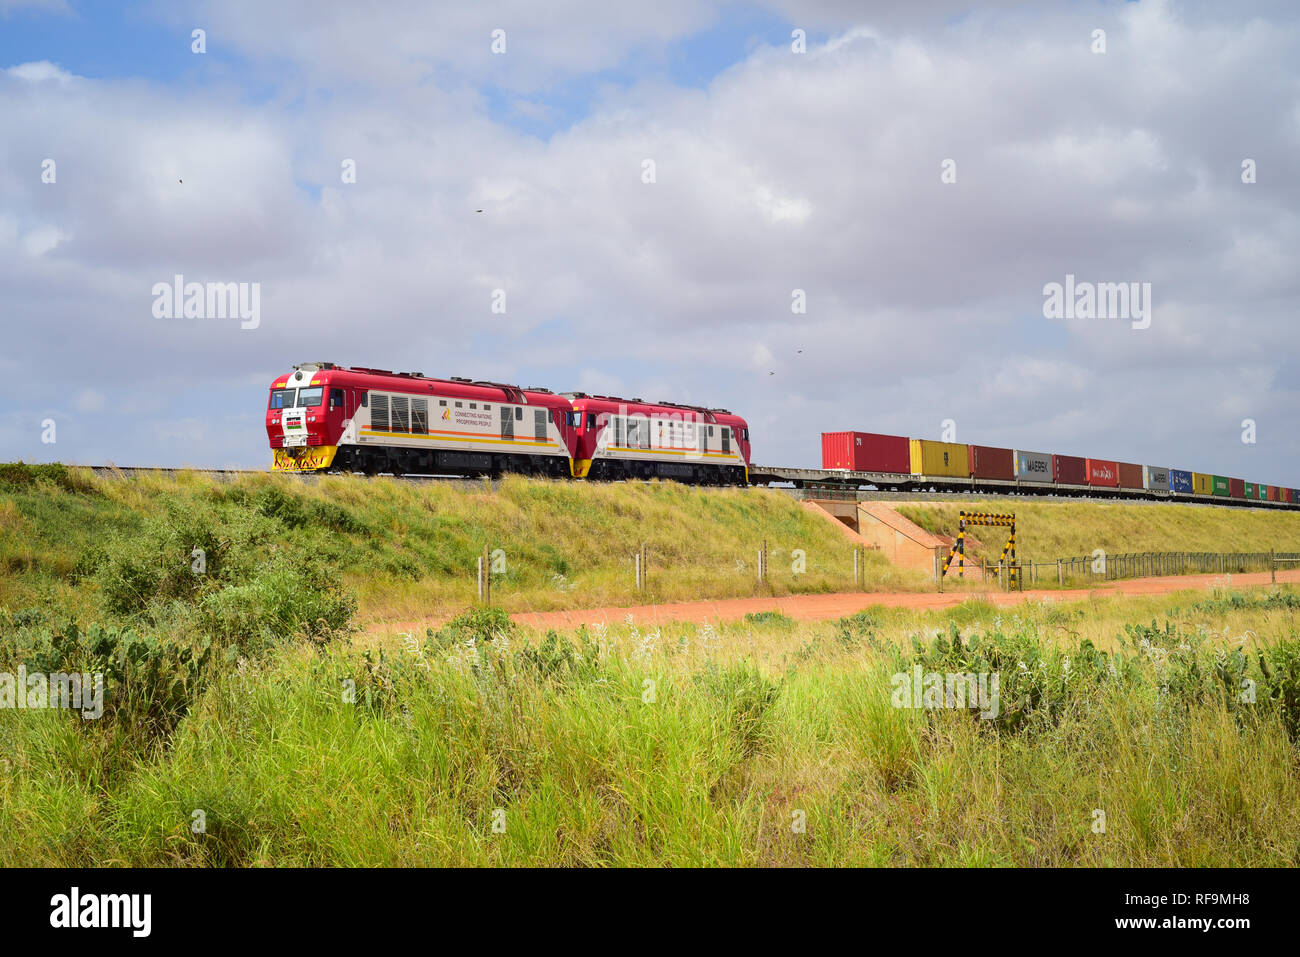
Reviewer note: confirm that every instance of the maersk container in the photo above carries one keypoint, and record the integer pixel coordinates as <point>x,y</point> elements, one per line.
<point>1034,467</point>
<point>992,463</point>
<point>1202,483</point>
<point>1219,485</point>
<point>1071,470</point>
<point>1155,477</point>
<point>1250,490</point>
<point>1130,476</point>
<point>1236,488</point>
<point>1102,472</point>
<point>1272,493</point>
<point>866,452</point>
<point>1180,480</point>
<point>949,459</point>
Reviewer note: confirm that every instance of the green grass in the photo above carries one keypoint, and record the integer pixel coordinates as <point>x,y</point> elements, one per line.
<point>408,551</point>
<point>704,746</point>
<point>245,723</point>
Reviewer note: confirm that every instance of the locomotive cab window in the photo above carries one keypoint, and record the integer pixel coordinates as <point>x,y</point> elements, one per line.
<point>281,399</point>
<point>310,398</point>
<point>336,398</point>
<point>591,420</point>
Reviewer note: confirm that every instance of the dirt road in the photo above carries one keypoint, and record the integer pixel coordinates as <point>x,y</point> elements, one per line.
<point>837,605</point>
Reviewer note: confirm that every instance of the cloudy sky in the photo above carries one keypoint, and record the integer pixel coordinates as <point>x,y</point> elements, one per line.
<point>919,170</point>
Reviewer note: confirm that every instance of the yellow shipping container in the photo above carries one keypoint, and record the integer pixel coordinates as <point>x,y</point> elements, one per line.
<point>940,458</point>
<point>1202,483</point>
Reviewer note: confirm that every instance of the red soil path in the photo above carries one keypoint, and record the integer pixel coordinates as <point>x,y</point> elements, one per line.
<point>815,607</point>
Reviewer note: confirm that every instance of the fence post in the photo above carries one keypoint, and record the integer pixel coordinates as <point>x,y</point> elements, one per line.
<point>1272,564</point>
<point>480,578</point>
<point>762,561</point>
<point>857,568</point>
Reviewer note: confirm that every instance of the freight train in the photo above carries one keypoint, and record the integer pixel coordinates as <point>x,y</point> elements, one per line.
<point>912,462</point>
<point>322,417</point>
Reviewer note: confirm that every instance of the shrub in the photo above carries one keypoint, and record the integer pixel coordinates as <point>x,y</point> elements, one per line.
<point>149,684</point>
<point>284,598</point>
<point>18,475</point>
<point>479,624</point>
<point>769,618</point>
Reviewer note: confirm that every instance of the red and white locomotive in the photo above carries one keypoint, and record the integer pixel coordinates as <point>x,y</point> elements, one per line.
<point>326,418</point>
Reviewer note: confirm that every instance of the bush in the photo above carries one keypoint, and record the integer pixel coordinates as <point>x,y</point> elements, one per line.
<point>147,683</point>
<point>275,503</point>
<point>479,625</point>
<point>284,598</point>
<point>769,618</point>
<point>182,553</point>
<point>18,475</point>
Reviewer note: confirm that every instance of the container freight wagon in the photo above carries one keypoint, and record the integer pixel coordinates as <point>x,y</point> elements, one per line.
<point>1250,491</point>
<point>949,459</point>
<point>1103,473</point>
<point>1071,470</point>
<point>1130,476</point>
<point>1219,485</point>
<point>866,452</point>
<point>1202,483</point>
<point>991,463</point>
<point>1260,493</point>
<point>1180,481</point>
<point>1034,467</point>
<point>1155,478</point>
<point>1236,488</point>
<point>1286,495</point>
<point>1272,493</point>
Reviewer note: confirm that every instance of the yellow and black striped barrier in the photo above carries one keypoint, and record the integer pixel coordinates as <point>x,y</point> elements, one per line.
<point>983,518</point>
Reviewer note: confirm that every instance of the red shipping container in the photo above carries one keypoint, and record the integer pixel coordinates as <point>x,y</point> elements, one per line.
<point>1272,493</point>
<point>991,463</point>
<point>1284,495</point>
<point>1236,488</point>
<point>1130,476</point>
<point>1103,473</point>
<point>1071,470</point>
<point>866,452</point>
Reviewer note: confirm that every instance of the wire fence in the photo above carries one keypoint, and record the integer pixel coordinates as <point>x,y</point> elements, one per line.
<point>1107,567</point>
<point>1063,572</point>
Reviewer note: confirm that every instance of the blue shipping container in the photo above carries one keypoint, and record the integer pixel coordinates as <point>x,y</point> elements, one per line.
<point>1180,481</point>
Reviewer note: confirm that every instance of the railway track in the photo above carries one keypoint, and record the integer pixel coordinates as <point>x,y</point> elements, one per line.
<point>822,485</point>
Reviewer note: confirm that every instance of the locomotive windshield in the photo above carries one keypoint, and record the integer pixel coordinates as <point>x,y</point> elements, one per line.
<point>306,398</point>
